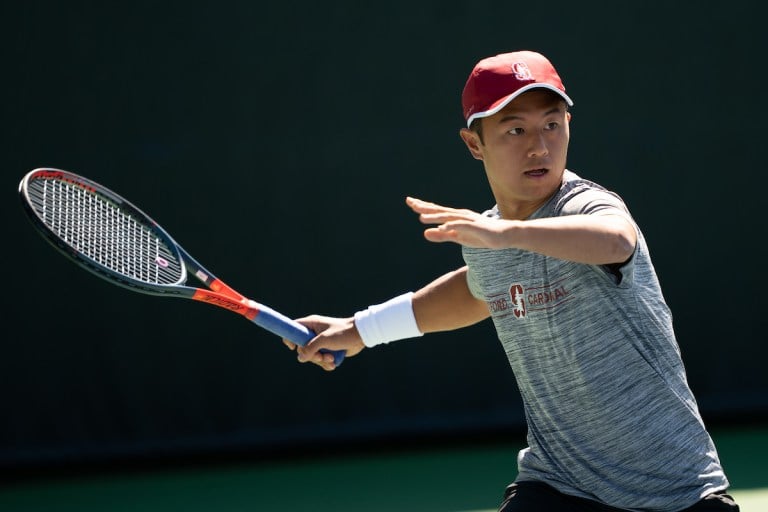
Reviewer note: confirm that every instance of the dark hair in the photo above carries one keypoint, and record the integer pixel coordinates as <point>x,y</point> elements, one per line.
<point>477,126</point>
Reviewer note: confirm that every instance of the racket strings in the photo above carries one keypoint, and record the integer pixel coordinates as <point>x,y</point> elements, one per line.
<point>99,229</point>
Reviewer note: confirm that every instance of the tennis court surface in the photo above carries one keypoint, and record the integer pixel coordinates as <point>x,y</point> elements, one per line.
<point>461,478</point>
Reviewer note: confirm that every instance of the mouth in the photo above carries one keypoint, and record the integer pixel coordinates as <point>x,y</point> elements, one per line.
<point>535,173</point>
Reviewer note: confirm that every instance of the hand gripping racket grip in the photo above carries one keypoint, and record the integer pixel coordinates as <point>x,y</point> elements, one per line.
<point>283,326</point>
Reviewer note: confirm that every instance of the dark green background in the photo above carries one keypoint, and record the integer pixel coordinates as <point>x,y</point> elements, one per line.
<point>277,143</point>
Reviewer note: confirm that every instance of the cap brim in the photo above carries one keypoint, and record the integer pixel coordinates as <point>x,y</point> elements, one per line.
<point>503,102</point>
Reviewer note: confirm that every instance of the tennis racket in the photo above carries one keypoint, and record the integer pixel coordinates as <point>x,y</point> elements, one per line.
<point>110,237</point>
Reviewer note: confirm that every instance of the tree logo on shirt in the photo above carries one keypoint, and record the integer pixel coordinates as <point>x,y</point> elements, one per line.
<point>516,300</point>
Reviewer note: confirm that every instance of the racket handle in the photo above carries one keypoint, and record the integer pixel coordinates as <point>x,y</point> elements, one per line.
<point>279,324</point>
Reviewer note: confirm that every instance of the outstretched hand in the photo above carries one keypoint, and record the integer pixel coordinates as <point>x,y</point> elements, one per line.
<point>461,226</point>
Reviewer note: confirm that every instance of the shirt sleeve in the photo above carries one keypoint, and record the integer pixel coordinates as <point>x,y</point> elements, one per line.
<point>597,201</point>
<point>474,288</point>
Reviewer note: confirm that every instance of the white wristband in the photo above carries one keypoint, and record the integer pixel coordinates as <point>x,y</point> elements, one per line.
<point>390,321</point>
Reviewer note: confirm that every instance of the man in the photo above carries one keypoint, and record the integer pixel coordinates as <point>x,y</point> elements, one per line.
<point>563,270</point>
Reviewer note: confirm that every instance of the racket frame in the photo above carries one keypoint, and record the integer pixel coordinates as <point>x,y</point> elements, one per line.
<point>217,292</point>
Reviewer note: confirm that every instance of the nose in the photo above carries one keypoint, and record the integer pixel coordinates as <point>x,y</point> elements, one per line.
<point>538,147</point>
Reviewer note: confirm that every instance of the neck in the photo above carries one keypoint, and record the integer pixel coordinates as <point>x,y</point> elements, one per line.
<point>519,211</point>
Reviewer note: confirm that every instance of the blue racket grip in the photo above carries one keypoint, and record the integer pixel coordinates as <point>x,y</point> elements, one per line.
<point>279,324</point>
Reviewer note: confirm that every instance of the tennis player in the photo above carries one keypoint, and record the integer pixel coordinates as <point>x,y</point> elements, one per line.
<point>563,270</point>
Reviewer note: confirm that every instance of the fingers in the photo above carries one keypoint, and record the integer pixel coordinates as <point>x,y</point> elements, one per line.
<point>442,233</point>
<point>322,359</point>
<point>431,213</point>
<point>420,206</point>
<point>425,207</point>
<point>333,334</point>
<point>312,355</point>
<point>316,355</point>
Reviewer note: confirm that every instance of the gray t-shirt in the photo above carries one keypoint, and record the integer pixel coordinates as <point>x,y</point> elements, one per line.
<point>610,414</point>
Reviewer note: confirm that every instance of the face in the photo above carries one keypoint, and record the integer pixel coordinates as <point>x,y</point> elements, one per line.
<point>523,149</point>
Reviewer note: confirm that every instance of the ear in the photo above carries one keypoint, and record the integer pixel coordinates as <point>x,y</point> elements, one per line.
<point>472,141</point>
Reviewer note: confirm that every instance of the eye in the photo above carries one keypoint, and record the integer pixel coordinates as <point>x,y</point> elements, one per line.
<point>515,131</point>
<point>552,125</point>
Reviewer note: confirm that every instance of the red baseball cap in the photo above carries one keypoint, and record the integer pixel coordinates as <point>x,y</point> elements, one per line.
<point>495,81</point>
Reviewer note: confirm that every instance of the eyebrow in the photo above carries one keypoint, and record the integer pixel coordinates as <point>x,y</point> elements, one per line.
<point>513,117</point>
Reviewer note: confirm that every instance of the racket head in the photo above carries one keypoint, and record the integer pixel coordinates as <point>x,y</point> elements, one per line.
<point>103,232</point>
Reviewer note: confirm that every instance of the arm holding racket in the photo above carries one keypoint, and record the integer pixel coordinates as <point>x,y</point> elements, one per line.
<point>444,304</point>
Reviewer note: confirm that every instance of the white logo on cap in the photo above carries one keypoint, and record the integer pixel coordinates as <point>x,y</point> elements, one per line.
<point>522,72</point>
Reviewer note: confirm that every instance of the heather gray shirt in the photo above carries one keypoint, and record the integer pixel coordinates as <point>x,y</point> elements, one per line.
<point>610,414</point>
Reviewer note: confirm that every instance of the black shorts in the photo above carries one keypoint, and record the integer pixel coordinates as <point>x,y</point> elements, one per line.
<point>538,496</point>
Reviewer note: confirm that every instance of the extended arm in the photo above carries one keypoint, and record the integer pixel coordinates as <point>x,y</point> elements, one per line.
<point>592,239</point>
